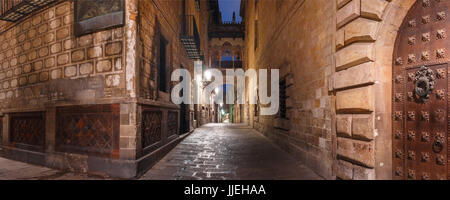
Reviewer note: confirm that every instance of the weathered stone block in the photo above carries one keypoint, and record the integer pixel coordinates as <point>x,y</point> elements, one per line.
<point>63,59</point>
<point>363,126</point>
<point>112,80</point>
<point>104,66</point>
<point>86,68</point>
<point>363,74</point>
<point>78,55</point>
<point>353,55</point>
<point>62,9</point>
<point>362,173</point>
<point>70,71</point>
<point>358,151</point>
<point>113,48</point>
<point>56,74</point>
<point>62,33</point>
<point>49,62</point>
<point>43,76</point>
<point>344,125</point>
<point>38,65</point>
<point>361,30</point>
<point>95,52</point>
<point>373,9</point>
<point>33,78</point>
<point>348,13</point>
<point>355,100</point>
<point>344,170</point>
<point>55,48</point>
<point>85,40</point>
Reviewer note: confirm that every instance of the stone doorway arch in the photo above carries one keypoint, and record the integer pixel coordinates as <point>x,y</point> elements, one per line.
<point>365,42</point>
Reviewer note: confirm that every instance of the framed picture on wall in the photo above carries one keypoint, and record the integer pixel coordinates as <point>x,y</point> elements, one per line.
<point>97,15</point>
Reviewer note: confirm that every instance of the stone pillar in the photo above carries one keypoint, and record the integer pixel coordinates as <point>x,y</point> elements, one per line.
<point>129,130</point>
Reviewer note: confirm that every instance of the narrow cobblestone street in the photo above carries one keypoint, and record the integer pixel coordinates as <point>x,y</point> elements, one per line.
<point>225,151</point>
<point>212,152</point>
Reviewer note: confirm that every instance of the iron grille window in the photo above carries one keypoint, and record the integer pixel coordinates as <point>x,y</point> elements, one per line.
<point>256,34</point>
<point>162,64</point>
<point>283,98</point>
<point>14,10</point>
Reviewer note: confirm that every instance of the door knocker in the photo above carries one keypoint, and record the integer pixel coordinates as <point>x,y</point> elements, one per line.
<point>424,82</point>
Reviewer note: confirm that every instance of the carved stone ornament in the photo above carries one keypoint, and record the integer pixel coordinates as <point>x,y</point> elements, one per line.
<point>424,82</point>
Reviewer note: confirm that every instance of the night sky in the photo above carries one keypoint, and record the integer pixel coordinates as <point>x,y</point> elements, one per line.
<point>227,7</point>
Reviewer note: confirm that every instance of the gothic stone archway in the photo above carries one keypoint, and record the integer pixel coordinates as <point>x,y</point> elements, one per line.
<point>420,93</point>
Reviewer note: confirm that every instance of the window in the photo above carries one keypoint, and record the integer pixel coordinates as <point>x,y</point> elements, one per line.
<point>163,64</point>
<point>256,106</point>
<point>283,98</point>
<point>256,34</point>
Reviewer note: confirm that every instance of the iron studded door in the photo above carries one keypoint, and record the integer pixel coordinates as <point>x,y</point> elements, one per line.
<point>424,148</point>
<point>420,93</point>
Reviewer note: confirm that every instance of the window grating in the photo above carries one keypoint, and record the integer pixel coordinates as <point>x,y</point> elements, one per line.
<point>14,10</point>
<point>283,98</point>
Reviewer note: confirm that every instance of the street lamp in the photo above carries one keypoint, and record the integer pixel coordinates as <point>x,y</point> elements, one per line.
<point>208,75</point>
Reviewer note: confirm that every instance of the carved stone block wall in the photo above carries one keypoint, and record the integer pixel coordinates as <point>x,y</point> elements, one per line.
<point>297,38</point>
<point>27,131</point>
<point>92,130</point>
<point>42,49</point>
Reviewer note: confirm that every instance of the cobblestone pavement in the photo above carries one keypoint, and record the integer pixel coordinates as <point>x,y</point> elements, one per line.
<point>223,152</point>
<point>13,170</point>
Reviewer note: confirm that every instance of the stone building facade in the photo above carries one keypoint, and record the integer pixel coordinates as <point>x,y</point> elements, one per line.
<point>297,38</point>
<point>100,102</point>
<point>349,69</point>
